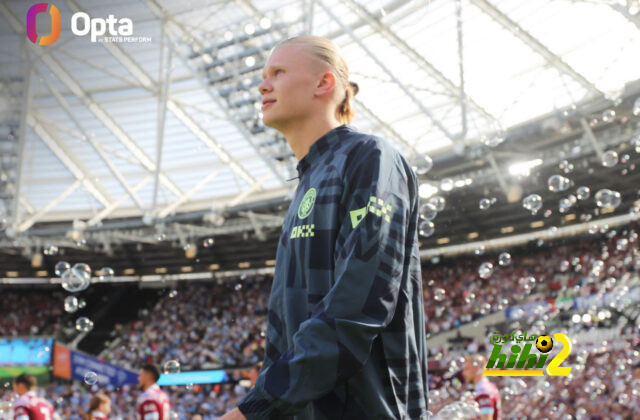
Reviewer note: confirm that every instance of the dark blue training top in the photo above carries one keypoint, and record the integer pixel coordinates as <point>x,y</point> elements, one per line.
<point>346,331</point>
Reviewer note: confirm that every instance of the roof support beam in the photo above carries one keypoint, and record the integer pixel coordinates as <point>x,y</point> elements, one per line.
<point>65,105</point>
<point>97,219</point>
<point>22,134</point>
<point>380,64</point>
<point>204,181</point>
<point>410,52</point>
<point>68,158</point>
<point>148,83</point>
<point>534,44</point>
<point>96,109</point>
<point>164,76</point>
<point>30,221</point>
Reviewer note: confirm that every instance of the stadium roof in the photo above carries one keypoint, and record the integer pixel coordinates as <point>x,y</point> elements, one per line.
<point>99,136</point>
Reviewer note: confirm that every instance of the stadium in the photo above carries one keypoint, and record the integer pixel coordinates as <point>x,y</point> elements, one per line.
<point>184,235</point>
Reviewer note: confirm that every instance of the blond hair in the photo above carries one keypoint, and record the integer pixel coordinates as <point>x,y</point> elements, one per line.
<point>328,54</point>
<point>94,403</point>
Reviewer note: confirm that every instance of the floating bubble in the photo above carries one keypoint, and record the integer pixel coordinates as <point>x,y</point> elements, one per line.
<point>426,228</point>
<point>566,167</point>
<point>636,107</point>
<point>106,273</point>
<point>635,142</point>
<point>485,270</point>
<point>480,250</point>
<point>532,202</point>
<point>608,115</point>
<point>90,378</point>
<point>564,266</point>
<point>558,183</point>
<point>50,250</point>
<point>70,304</point>
<point>238,287</point>
<point>174,415</point>
<point>484,204</point>
<point>173,293</point>
<point>438,202</point>
<point>84,324</point>
<point>622,244</point>
<point>170,367</point>
<point>504,259</point>
<point>439,294</point>
<point>77,279</point>
<point>428,211</point>
<point>606,198</point>
<point>421,164</point>
<point>208,243</point>
<point>583,193</point>
<point>564,205</point>
<point>446,184</point>
<point>609,158</point>
<point>62,267</point>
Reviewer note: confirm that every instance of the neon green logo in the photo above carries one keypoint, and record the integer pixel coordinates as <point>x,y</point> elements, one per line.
<point>376,206</point>
<point>306,205</point>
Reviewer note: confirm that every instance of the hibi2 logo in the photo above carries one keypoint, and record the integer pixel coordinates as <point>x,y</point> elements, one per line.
<point>110,29</point>
<point>528,364</point>
<point>31,23</point>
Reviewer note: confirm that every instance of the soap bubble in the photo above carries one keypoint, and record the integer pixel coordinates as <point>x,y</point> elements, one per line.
<point>484,203</point>
<point>106,273</point>
<point>421,164</point>
<point>486,270</point>
<point>608,115</point>
<point>446,184</point>
<point>606,198</point>
<point>172,366</point>
<point>70,304</point>
<point>609,158</point>
<point>636,107</point>
<point>77,279</point>
<point>90,378</point>
<point>635,142</point>
<point>439,294</point>
<point>558,183</point>
<point>532,202</point>
<point>84,324</point>
<point>426,228</point>
<point>438,202</point>
<point>564,205</point>
<point>583,193</point>
<point>50,250</point>
<point>428,211</point>
<point>504,259</point>
<point>566,167</point>
<point>208,243</point>
<point>62,267</point>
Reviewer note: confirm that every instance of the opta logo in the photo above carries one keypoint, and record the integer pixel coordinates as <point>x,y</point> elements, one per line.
<point>116,30</point>
<point>55,23</point>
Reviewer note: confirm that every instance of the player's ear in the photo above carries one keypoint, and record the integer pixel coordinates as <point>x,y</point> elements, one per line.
<point>326,83</point>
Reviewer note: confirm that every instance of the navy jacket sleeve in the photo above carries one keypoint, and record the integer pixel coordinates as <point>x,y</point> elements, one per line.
<point>335,342</point>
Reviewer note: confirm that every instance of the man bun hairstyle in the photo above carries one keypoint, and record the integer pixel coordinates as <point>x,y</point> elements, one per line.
<point>327,53</point>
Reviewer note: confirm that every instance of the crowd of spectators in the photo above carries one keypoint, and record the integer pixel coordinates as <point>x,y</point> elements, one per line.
<point>29,313</point>
<point>454,292</point>
<point>71,401</point>
<point>604,383</point>
<point>202,326</point>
